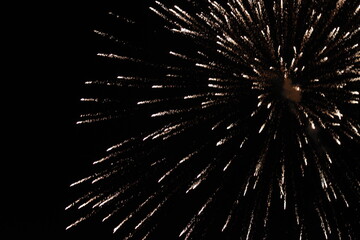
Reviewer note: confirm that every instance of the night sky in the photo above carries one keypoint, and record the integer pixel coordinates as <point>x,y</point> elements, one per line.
<point>54,54</point>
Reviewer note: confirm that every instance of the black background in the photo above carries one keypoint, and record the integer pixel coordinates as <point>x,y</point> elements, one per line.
<point>50,52</point>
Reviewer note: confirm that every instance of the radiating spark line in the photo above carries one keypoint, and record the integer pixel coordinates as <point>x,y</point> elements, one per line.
<point>199,178</point>
<point>250,226</point>
<point>177,165</point>
<point>80,181</point>
<point>133,213</point>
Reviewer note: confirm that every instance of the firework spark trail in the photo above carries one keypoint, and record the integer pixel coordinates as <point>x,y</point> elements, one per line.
<point>275,79</point>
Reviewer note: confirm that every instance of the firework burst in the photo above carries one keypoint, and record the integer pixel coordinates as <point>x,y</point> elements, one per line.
<point>244,126</point>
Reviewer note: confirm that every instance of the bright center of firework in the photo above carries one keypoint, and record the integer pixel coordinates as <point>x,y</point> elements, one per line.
<point>283,86</point>
<point>290,91</point>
